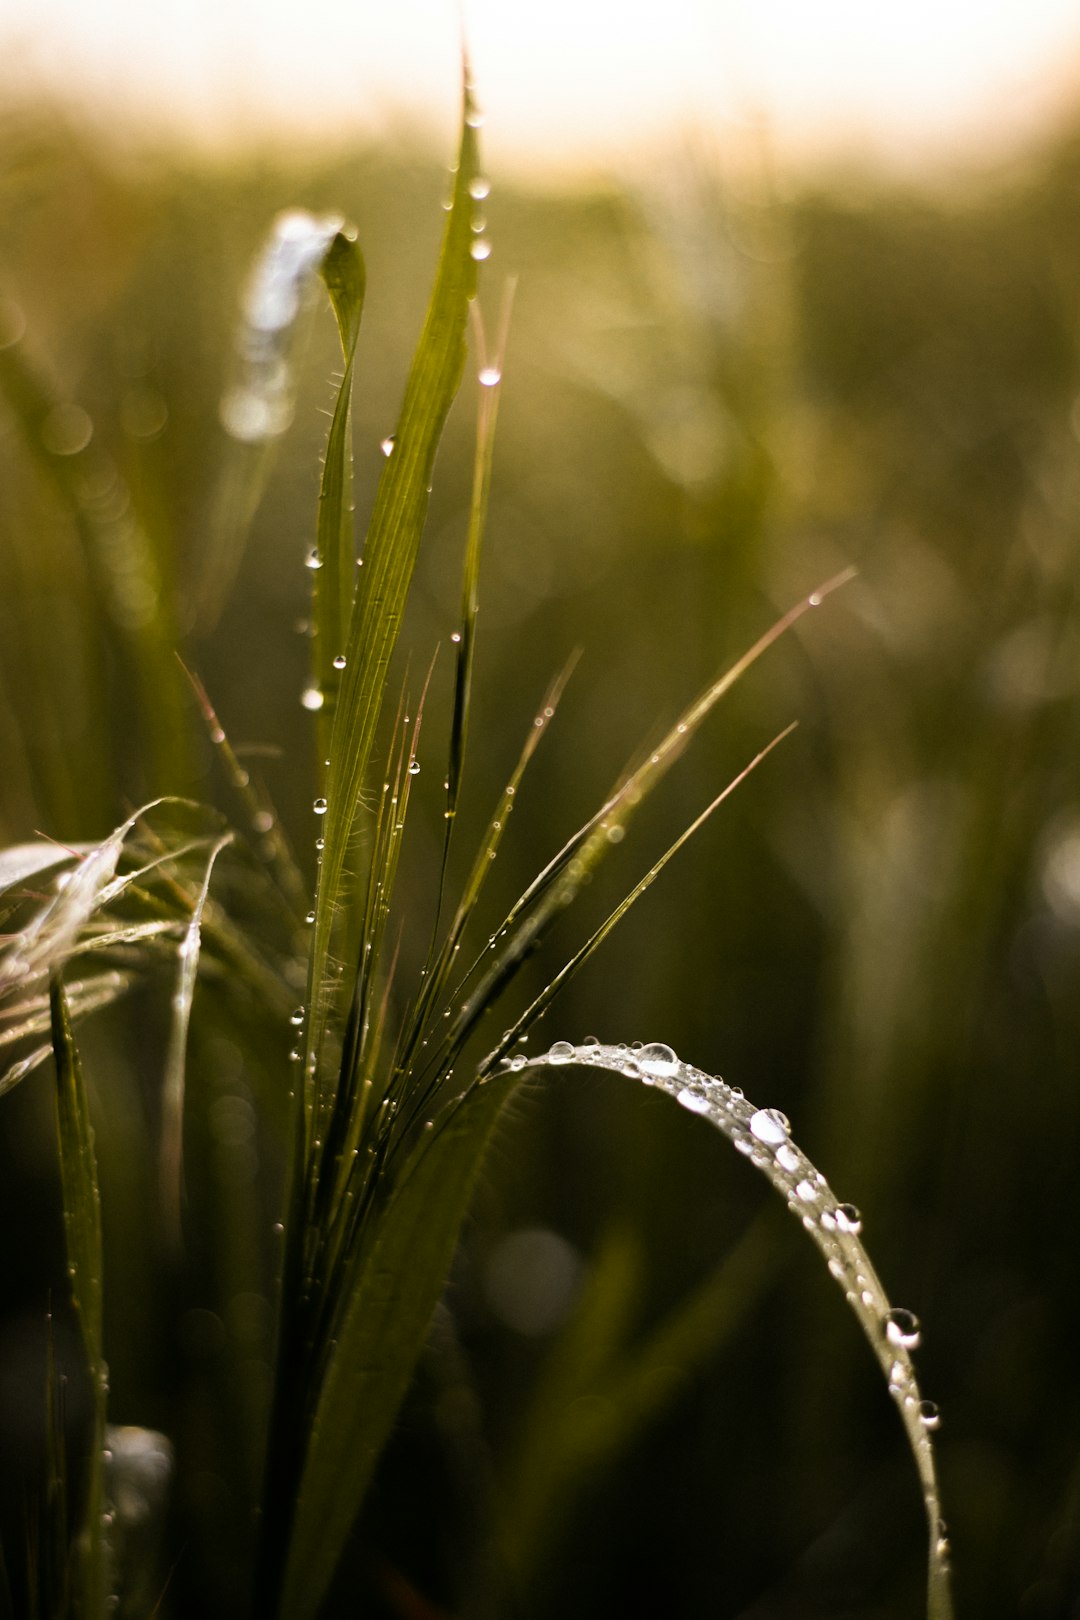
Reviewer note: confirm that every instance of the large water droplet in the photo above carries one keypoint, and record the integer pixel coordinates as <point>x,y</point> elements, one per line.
<point>561,1052</point>
<point>488,376</point>
<point>848,1219</point>
<point>414,767</point>
<point>480,249</point>
<point>657,1059</point>
<point>313,560</point>
<point>770,1126</point>
<point>340,661</point>
<point>319,807</point>
<point>297,1017</point>
<point>479,187</point>
<point>693,1100</point>
<point>902,1328</point>
<point>929,1416</point>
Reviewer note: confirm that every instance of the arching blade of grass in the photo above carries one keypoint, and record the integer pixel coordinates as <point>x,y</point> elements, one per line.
<point>396,1277</point>
<point>82,1233</point>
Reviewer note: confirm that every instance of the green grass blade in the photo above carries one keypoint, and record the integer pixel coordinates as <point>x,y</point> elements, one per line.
<point>82,1233</point>
<point>342,270</point>
<point>389,560</point>
<point>392,1288</point>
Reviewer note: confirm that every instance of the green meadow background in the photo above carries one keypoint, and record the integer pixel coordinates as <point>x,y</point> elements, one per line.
<point>720,390</point>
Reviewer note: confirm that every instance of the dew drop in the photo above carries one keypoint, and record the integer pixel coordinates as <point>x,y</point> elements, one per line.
<point>902,1328</point>
<point>848,1219</point>
<point>693,1100</point>
<point>814,599</point>
<point>520,1060</point>
<point>787,1158</point>
<point>313,560</point>
<point>312,698</point>
<point>340,661</point>
<point>455,636</point>
<point>929,1416</point>
<point>480,249</point>
<point>320,844</point>
<point>479,187</point>
<point>805,1190</point>
<point>387,445</point>
<point>488,376</point>
<point>319,807</point>
<point>657,1059</point>
<point>561,1052</point>
<point>297,1017</point>
<point>414,767</point>
<point>310,918</point>
<point>770,1126</point>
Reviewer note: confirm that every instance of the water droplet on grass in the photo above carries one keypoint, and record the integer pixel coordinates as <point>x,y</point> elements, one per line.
<point>297,1016</point>
<point>770,1126</point>
<point>313,560</point>
<point>340,661</point>
<point>312,698</point>
<point>488,376</point>
<point>848,1219</point>
<point>414,767</point>
<point>902,1328</point>
<point>561,1052</point>
<point>693,1100</point>
<point>480,249</point>
<point>387,445</point>
<point>479,187</point>
<point>929,1415</point>
<point>319,807</point>
<point>657,1059</point>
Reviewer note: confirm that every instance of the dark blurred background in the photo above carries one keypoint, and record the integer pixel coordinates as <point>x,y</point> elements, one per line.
<point>718,393</point>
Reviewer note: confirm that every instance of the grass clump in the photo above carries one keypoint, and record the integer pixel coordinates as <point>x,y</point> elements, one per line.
<point>371,1097</point>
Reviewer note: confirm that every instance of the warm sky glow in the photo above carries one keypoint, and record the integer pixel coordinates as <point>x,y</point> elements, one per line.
<point>564,80</point>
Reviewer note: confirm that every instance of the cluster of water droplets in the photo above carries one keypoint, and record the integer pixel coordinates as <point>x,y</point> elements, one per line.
<point>763,1135</point>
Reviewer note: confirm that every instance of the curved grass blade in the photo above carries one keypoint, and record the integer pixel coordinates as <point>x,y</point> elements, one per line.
<point>396,1278</point>
<point>82,1233</point>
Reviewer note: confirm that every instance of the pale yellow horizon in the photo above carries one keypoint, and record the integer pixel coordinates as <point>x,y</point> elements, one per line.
<point>567,86</point>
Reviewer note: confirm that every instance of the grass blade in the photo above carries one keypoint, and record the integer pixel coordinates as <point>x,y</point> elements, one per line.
<point>82,1233</point>
<point>390,556</point>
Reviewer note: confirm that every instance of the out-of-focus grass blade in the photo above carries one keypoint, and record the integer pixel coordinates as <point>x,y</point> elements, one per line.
<point>128,572</point>
<point>389,560</point>
<point>597,1392</point>
<point>257,407</point>
<point>20,862</point>
<point>82,1233</point>
<point>172,1130</point>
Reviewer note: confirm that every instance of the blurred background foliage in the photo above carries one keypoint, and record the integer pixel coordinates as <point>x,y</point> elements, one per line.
<point>720,390</point>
